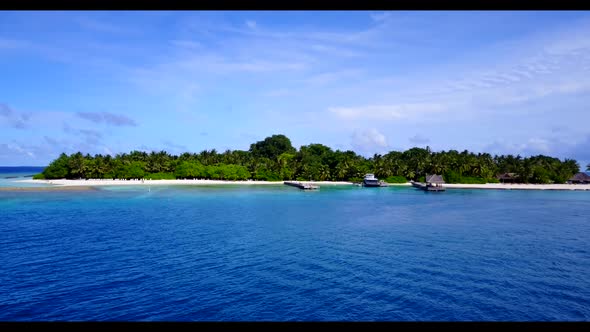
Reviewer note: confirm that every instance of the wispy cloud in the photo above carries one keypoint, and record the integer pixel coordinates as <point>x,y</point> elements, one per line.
<point>279,93</point>
<point>146,148</point>
<point>251,24</point>
<point>175,147</point>
<point>222,64</point>
<point>12,149</point>
<point>103,26</point>
<point>90,136</point>
<point>556,146</point>
<point>14,119</point>
<point>548,68</point>
<point>385,112</point>
<point>419,139</point>
<point>334,77</point>
<point>11,44</point>
<point>368,140</point>
<point>323,77</point>
<point>336,51</point>
<point>107,118</point>
<point>186,44</point>
<point>379,17</point>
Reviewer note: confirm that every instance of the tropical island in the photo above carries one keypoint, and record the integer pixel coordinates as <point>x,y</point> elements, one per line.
<point>275,159</point>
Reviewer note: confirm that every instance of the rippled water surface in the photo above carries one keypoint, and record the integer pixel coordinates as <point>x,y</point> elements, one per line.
<point>259,253</point>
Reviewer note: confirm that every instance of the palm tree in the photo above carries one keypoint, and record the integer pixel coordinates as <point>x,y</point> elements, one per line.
<point>342,170</point>
<point>165,161</point>
<point>283,161</point>
<point>138,156</point>
<point>384,170</point>
<point>76,165</point>
<point>526,170</point>
<point>409,173</point>
<point>100,167</point>
<point>437,165</point>
<point>324,173</point>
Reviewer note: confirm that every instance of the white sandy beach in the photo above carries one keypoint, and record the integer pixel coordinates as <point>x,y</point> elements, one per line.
<point>516,186</point>
<point>109,182</point>
<point>106,182</point>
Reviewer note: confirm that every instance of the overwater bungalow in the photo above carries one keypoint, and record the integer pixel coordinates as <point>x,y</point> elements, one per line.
<point>508,178</point>
<point>579,178</point>
<point>434,182</point>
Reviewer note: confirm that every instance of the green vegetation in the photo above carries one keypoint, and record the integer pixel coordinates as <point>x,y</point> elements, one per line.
<point>160,176</point>
<point>396,179</point>
<point>275,159</point>
<point>455,177</point>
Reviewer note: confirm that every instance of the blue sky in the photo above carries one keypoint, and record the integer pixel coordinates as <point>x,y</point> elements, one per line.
<point>370,81</point>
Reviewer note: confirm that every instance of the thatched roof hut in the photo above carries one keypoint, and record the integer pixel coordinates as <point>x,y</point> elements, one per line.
<point>434,179</point>
<point>579,178</point>
<point>507,177</point>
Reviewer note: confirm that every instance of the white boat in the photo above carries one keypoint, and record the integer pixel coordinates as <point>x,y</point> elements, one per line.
<point>371,181</point>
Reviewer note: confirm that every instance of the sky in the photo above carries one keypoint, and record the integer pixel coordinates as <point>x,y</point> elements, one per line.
<point>505,82</point>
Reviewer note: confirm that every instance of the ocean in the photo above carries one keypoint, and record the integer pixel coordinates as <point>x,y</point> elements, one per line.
<point>10,175</point>
<point>276,253</point>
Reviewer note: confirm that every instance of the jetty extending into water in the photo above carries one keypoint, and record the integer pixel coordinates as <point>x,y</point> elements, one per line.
<point>433,182</point>
<point>428,187</point>
<point>301,185</point>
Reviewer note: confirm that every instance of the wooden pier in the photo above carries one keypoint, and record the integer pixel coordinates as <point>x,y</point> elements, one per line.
<point>300,185</point>
<point>426,187</point>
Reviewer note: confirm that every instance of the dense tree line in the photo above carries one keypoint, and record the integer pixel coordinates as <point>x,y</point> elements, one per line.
<point>275,159</point>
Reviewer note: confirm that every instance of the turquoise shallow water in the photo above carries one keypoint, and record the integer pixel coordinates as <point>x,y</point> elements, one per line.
<point>260,253</point>
<point>11,176</point>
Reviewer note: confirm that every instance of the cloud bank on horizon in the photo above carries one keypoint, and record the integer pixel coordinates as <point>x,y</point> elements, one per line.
<point>111,82</point>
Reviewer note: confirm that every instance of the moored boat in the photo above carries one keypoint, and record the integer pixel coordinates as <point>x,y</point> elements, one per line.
<point>371,181</point>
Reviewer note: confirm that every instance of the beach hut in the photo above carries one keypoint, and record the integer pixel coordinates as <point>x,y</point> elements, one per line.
<point>434,180</point>
<point>507,177</point>
<point>579,178</point>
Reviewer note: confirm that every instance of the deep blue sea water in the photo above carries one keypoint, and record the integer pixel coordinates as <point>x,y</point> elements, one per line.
<point>259,253</point>
<point>10,175</point>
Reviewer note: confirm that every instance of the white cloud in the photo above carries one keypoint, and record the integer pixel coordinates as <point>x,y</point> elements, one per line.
<point>251,24</point>
<point>12,148</point>
<point>386,112</point>
<point>188,44</point>
<point>378,17</point>
<point>279,93</point>
<point>419,139</point>
<point>498,85</point>
<point>334,77</point>
<point>330,50</point>
<point>15,119</point>
<point>532,146</point>
<point>369,140</point>
<point>538,144</point>
<point>103,26</point>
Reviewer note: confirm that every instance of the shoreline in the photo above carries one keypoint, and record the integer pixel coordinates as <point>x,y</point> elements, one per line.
<point>518,186</point>
<point>52,188</point>
<point>107,182</point>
